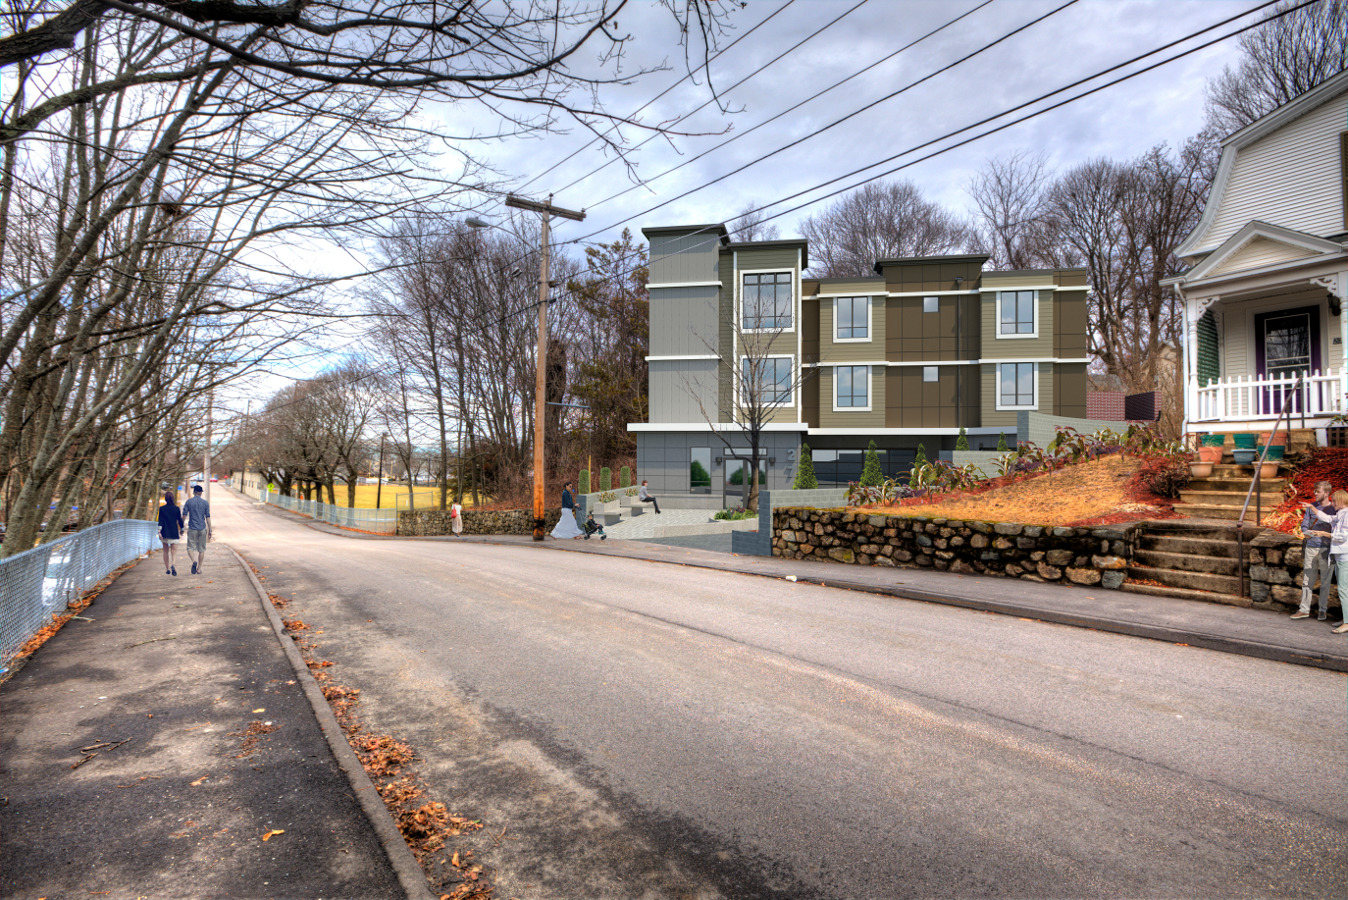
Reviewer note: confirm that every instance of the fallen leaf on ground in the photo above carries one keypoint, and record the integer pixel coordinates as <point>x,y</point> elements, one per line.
<point>198,782</point>
<point>273,833</point>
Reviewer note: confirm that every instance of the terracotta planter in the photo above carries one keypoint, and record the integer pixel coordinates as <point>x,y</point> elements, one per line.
<point>1268,470</point>
<point>1278,440</point>
<point>1210,454</point>
<point>1200,469</point>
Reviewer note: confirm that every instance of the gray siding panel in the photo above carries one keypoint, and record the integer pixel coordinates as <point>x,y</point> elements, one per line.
<point>684,321</point>
<point>679,259</point>
<point>675,386</point>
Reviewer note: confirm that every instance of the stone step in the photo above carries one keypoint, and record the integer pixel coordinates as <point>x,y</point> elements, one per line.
<point>1222,545</point>
<point>1239,485</point>
<point>1186,594</point>
<point>1189,562</point>
<point>1219,511</point>
<point>1194,581</point>
<point>1268,499</point>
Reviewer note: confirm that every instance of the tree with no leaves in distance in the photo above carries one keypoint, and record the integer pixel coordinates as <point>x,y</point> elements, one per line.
<point>879,220</point>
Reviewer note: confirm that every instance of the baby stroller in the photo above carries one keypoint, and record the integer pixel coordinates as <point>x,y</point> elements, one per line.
<point>593,527</point>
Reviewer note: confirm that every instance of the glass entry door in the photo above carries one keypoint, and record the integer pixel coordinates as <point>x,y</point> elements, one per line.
<point>1287,344</point>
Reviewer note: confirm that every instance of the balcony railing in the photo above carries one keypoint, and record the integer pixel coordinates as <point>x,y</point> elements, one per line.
<point>1320,396</point>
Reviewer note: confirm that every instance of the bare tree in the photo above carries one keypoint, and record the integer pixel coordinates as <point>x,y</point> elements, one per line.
<point>750,225</point>
<point>1292,53</point>
<point>880,220</point>
<point>1011,207</point>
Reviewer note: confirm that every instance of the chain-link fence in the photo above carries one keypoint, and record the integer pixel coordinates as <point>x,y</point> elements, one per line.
<point>382,521</point>
<point>38,583</point>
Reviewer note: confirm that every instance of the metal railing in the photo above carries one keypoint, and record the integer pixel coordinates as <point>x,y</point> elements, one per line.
<point>383,521</point>
<point>38,583</point>
<point>1254,492</point>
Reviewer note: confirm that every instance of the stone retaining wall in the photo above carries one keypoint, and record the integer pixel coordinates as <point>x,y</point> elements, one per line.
<point>426,522</point>
<point>1087,556</point>
<point>1276,575</point>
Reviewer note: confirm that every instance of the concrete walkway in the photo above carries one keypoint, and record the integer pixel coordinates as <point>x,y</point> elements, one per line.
<point>151,744</point>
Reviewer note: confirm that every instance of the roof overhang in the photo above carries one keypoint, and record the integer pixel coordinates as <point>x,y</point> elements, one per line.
<point>1317,250</point>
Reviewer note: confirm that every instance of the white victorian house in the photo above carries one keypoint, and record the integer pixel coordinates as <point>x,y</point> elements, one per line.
<point>1268,267</point>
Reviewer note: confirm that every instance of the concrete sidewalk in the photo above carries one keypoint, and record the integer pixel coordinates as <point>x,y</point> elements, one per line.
<point>147,752</point>
<point>1230,629</point>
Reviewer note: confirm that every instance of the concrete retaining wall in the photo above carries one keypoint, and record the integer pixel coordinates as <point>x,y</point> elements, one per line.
<point>759,541</point>
<point>426,522</point>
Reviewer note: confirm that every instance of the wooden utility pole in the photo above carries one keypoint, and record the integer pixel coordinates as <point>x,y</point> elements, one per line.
<point>541,377</point>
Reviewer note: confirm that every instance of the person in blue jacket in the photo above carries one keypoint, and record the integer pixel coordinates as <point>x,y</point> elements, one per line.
<point>170,530</point>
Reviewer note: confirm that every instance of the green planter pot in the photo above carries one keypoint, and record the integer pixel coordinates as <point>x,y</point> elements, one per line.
<point>1275,452</point>
<point>1245,441</point>
<point>1214,440</point>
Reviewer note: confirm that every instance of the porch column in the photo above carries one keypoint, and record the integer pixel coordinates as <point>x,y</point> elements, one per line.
<point>1190,365</point>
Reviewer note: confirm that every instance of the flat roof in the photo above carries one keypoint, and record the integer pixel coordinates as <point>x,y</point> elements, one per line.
<point>980,258</point>
<point>713,227</point>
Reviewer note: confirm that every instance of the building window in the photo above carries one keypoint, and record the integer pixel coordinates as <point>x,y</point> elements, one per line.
<point>852,386</point>
<point>1016,386</point>
<point>767,301</point>
<point>699,470</point>
<point>931,304</point>
<point>852,318</point>
<point>1017,314</point>
<point>931,373</point>
<point>768,381</point>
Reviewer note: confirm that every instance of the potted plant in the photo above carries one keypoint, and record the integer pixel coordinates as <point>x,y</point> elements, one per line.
<point>1199,467</point>
<point>1276,440</point>
<point>1269,469</point>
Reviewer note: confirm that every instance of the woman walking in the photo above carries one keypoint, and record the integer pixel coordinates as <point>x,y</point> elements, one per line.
<point>567,526</point>
<point>170,530</point>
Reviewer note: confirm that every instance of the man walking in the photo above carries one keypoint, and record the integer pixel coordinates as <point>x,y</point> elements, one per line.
<point>645,497</point>
<point>1316,554</point>
<point>198,514</point>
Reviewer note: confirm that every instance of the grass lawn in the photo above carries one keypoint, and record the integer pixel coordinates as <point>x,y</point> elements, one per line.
<point>1088,493</point>
<point>391,495</point>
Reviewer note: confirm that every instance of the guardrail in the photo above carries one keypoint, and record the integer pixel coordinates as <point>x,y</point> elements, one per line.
<point>37,584</point>
<point>382,521</point>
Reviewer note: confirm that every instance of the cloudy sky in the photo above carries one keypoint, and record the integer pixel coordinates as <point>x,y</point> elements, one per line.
<point>1073,42</point>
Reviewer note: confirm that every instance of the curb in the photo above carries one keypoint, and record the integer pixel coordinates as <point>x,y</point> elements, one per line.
<point>405,865</point>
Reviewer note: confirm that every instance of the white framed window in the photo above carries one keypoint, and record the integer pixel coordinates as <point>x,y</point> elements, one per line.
<point>931,304</point>
<point>765,301</point>
<point>851,319</point>
<point>768,380</point>
<point>851,388</point>
<point>1017,386</point>
<point>1017,314</point>
<point>931,373</point>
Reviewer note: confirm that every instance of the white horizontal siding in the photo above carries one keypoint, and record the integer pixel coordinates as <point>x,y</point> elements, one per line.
<point>1258,253</point>
<point>1289,178</point>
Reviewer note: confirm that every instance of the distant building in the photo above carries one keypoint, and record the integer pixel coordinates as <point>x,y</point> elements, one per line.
<point>904,357</point>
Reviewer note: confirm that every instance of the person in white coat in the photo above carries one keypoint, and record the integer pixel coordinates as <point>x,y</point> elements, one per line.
<point>567,526</point>
<point>456,516</point>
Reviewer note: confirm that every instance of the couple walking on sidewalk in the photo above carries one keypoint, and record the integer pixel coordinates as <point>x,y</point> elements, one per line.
<point>196,515</point>
<point>1325,524</point>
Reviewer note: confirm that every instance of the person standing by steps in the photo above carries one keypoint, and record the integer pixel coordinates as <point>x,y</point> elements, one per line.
<point>645,497</point>
<point>170,530</point>
<point>198,513</point>
<point>1316,549</point>
<point>1338,544</point>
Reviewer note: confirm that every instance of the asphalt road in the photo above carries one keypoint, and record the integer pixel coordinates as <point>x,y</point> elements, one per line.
<point>638,729</point>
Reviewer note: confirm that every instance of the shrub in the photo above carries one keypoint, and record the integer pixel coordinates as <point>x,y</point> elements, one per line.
<point>606,479</point>
<point>1001,442</point>
<point>918,462</point>
<point>1164,474</point>
<point>607,496</point>
<point>583,482</point>
<point>734,515</point>
<point>625,477</point>
<point>871,476</point>
<point>962,442</point>
<point>805,480</point>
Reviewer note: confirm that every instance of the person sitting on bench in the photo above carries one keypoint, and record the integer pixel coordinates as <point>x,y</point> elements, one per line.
<point>645,497</point>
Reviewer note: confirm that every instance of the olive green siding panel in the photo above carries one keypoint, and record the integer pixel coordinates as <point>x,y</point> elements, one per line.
<point>1039,347</point>
<point>916,336</point>
<point>949,402</point>
<point>874,418</point>
<point>872,350</point>
<point>1069,325</point>
<point>727,336</point>
<point>1069,390</point>
<point>991,416</point>
<point>852,286</point>
<point>1072,279</point>
<point>1015,282</point>
<point>770,259</point>
<point>774,343</point>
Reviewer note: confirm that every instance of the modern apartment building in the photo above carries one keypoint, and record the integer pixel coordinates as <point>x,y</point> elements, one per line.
<point>904,357</point>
